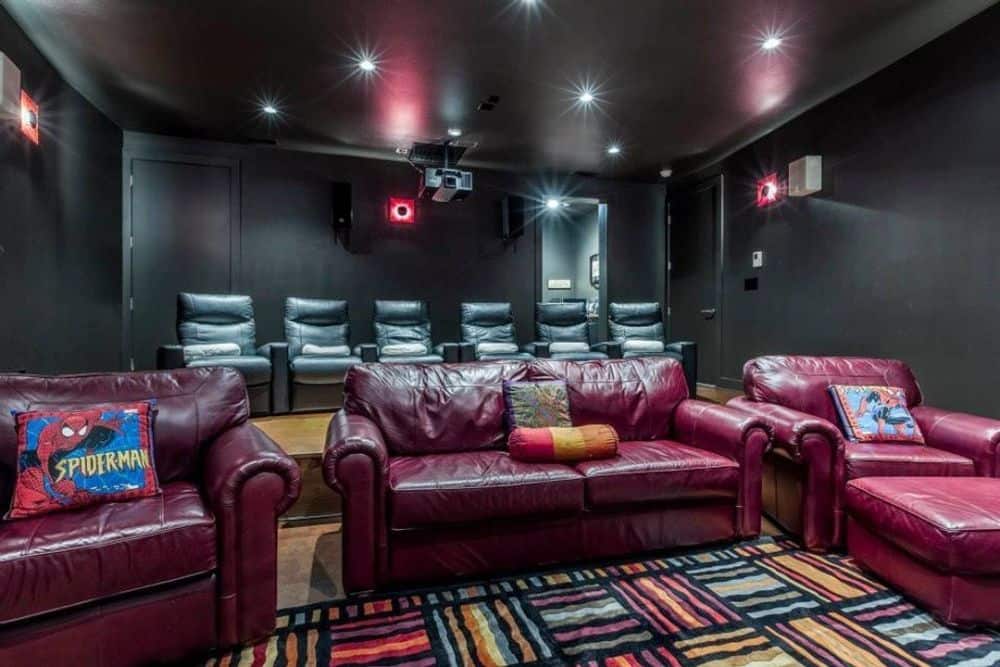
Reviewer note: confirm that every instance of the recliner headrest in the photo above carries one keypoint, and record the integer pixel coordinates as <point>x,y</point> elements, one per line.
<point>318,312</point>
<point>401,313</point>
<point>561,314</point>
<point>635,314</point>
<point>214,308</point>
<point>485,314</point>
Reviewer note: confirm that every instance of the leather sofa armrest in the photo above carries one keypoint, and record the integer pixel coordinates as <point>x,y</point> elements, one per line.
<point>612,348</point>
<point>356,465</point>
<point>737,435</point>
<point>248,482</point>
<point>277,353</point>
<point>169,357</point>
<point>971,436</point>
<point>539,348</point>
<point>687,352</point>
<point>367,351</point>
<point>819,446</point>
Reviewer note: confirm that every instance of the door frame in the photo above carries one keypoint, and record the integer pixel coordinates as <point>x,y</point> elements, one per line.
<point>719,181</point>
<point>132,153</point>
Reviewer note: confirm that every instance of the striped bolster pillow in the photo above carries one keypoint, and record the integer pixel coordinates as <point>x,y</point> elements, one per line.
<point>578,443</point>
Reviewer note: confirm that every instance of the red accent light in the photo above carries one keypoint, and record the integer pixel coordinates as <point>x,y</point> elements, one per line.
<point>768,190</point>
<point>402,211</point>
<point>29,118</point>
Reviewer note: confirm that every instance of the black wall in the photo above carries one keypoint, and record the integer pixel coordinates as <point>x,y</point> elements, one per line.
<point>60,227</point>
<point>898,255</point>
<point>452,254</point>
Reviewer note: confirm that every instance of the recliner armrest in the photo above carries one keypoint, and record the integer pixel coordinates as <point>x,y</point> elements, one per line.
<point>169,357</point>
<point>971,436</point>
<point>539,348</point>
<point>450,352</point>
<point>466,352</point>
<point>277,353</point>
<point>612,348</point>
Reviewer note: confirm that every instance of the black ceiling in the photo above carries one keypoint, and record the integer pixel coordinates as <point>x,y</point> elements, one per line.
<point>680,82</point>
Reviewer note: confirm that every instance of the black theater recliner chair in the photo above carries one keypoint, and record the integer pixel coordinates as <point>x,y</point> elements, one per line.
<point>489,334</point>
<point>219,330</point>
<point>403,336</point>
<point>562,332</point>
<point>318,334</point>
<point>639,329</point>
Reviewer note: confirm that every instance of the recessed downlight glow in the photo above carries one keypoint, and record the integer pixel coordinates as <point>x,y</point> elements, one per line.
<point>366,65</point>
<point>552,203</point>
<point>614,149</point>
<point>454,132</point>
<point>771,43</point>
<point>586,97</point>
<point>269,109</point>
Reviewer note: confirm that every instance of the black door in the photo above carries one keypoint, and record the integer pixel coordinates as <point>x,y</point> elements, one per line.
<point>182,240</point>
<point>695,273</point>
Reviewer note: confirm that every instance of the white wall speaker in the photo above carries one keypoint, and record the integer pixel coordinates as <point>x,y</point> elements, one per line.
<point>10,90</point>
<point>805,176</point>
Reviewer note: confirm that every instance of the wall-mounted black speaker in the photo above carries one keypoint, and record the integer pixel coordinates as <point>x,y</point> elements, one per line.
<point>512,217</point>
<point>343,209</point>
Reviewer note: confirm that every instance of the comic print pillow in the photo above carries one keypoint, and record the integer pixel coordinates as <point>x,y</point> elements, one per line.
<point>72,458</point>
<point>875,414</point>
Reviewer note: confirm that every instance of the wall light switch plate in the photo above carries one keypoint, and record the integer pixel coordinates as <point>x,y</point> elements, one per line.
<point>758,258</point>
<point>560,283</point>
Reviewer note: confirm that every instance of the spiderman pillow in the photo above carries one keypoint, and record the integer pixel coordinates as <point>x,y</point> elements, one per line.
<point>72,458</point>
<point>875,414</point>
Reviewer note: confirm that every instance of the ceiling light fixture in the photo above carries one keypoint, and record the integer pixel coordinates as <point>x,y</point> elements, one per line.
<point>552,203</point>
<point>614,149</point>
<point>454,132</point>
<point>586,97</point>
<point>366,65</point>
<point>771,43</point>
<point>269,109</point>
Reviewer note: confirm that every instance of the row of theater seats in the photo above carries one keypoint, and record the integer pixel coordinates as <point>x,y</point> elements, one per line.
<point>307,370</point>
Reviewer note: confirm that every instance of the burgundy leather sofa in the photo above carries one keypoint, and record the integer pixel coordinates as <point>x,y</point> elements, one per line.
<point>418,454</point>
<point>811,461</point>
<point>157,579</point>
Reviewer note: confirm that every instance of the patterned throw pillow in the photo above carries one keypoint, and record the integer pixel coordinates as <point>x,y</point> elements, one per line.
<point>870,413</point>
<point>581,443</point>
<point>71,458</point>
<point>536,404</point>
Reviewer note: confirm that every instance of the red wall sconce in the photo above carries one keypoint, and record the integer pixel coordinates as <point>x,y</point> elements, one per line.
<point>29,118</point>
<point>768,190</point>
<point>402,211</point>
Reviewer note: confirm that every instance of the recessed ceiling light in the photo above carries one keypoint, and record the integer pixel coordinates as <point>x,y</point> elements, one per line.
<point>366,65</point>
<point>666,172</point>
<point>552,203</point>
<point>614,149</point>
<point>586,97</point>
<point>269,109</point>
<point>454,132</point>
<point>771,43</point>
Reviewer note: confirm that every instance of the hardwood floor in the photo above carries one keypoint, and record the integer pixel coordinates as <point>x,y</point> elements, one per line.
<point>309,545</point>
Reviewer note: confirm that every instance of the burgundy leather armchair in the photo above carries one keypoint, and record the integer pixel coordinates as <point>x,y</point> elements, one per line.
<point>418,454</point>
<point>811,461</point>
<point>155,579</point>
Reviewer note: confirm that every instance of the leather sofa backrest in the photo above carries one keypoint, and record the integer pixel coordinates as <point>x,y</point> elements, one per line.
<point>628,321</point>
<point>437,409</point>
<point>402,322</point>
<point>193,406</point>
<point>802,382</point>
<point>216,318</point>
<point>562,322</point>
<point>315,321</point>
<point>636,396</point>
<point>488,322</point>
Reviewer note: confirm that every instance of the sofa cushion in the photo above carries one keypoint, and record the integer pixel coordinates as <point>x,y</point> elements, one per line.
<point>205,350</point>
<point>255,369</point>
<point>658,470</point>
<point>474,486</point>
<point>952,524</point>
<point>642,345</point>
<point>318,369</point>
<point>327,350</point>
<point>61,560</point>
<point>895,459</point>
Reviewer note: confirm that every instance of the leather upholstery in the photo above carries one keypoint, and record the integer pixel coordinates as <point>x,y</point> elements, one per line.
<point>490,323</point>
<point>418,454</point>
<point>477,486</point>
<point>565,322</point>
<point>255,370</point>
<point>216,318</point>
<point>321,369</point>
<point>324,323</point>
<point>66,559</point>
<point>644,321</point>
<point>658,470</point>
<point>317,321</point>
<point>213,529</point>
<point>399,322</point>
<point>791,392</point>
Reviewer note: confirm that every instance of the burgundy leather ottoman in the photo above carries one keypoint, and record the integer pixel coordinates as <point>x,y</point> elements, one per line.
<point>935,539</point>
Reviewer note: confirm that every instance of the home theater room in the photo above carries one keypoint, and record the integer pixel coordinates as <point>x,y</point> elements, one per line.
<point>369,333</point>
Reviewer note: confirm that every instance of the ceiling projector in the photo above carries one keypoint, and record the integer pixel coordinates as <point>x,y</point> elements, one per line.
<point>444,185</point>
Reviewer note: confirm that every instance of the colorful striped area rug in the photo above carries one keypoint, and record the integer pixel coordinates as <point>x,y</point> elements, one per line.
<point>764,603</point>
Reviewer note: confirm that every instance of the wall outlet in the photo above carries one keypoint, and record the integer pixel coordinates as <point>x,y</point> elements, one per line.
<point>758,259</point>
